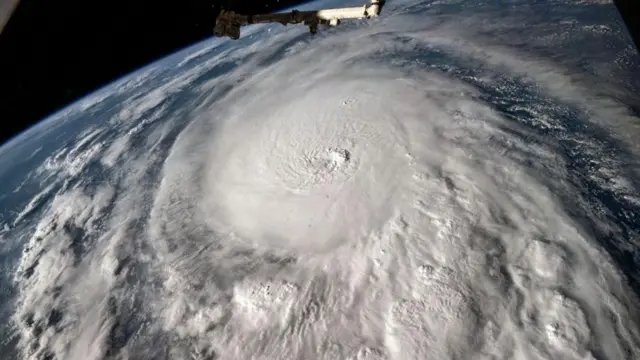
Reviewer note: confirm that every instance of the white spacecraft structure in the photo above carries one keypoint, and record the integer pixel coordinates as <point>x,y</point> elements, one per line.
<point>228,23</point>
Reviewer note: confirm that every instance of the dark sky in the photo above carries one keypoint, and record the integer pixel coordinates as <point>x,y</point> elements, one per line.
<point>53,52</point>
<point>630,11</point>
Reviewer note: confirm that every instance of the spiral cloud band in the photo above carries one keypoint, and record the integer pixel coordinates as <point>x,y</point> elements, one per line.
<point>377,192</point>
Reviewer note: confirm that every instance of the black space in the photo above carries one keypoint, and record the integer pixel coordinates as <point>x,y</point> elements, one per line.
<point>53,52</point>
<point>630,11</point>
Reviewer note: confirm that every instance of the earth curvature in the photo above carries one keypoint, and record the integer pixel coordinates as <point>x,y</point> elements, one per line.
<point>451,180</point>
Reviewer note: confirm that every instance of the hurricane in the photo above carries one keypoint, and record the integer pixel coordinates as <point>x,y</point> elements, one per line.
<point>410,187</point>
